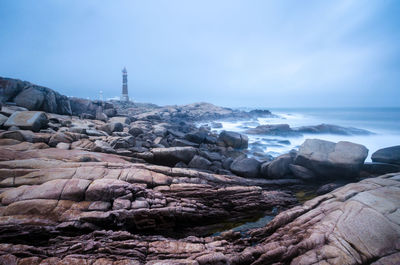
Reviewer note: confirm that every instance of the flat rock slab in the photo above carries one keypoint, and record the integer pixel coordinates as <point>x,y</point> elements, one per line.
<point>27,120</point>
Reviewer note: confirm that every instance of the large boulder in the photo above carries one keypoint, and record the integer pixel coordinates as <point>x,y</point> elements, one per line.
<point>332,160</point>
<point>173,155</point>
<point>279,168</point>
<point>30,98</point>
<point>233,139</point>
<point>199,162</point>
<point>246,167</point>
<point>390,155</point>
<point>27,120</point>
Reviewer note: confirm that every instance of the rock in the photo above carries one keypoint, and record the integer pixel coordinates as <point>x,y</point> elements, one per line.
<point>123,120</point>
<point>34,97</point>
<point>246,167</point>
<point>101,146</point>
<point>3,119</point>
<point>64,146</point>
<point>355,224</point>
<point>30,98</point>
<point>390,155</point>
<point>274,129</point>
<point>279,167</point>
<point>264,169</point>
<point>110,112</point>
<point>28,120</point>
<point>8,110</point>
<point>115,127</point>
<point>183,142</point>
<point>60,137</point>
<point>135,131</point>
<point>196,137</point>
<point>331,129</point>
<point>301,172</point>
<point>173,155</point>
<point>101,116</point>
<point>199,162</point>
<point>327,188</point>
<point>329,160</point>
<point>227,163</point>
<point>377,169</point>
<point>233,139</point>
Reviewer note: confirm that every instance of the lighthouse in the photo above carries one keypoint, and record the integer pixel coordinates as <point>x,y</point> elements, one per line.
<point>124,96</point>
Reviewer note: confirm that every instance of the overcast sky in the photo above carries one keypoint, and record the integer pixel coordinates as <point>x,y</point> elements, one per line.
<point>333,53</point>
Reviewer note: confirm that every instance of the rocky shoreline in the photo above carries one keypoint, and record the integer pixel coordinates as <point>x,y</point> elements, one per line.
<point>93,182</point>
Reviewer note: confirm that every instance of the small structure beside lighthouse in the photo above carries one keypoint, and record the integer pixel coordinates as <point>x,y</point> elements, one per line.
<point>124,96</point>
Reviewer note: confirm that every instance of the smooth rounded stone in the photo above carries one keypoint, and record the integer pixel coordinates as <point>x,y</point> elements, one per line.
<point>390,155</point>
<point>376,168</point>
<point>135,131</point>
<point>301,172</point>
<point>64,146</point>
<point>28,120</point>
<point>172,155</point>
<point>246,167</point>
<point>199,162</point>
<point>8,110</point>
<point>332,160</point>
<point>279,168</point>
<point>233,139</point>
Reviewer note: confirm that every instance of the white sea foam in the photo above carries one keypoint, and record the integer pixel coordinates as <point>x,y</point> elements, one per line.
<point>385,125</point>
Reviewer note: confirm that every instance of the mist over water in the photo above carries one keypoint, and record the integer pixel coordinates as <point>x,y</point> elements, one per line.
<point>384,123</point>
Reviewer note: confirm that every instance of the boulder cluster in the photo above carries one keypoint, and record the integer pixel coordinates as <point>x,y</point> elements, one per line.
<point>94,182</point>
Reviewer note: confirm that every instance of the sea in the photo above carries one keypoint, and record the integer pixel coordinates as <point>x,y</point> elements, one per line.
<point>384,123</point>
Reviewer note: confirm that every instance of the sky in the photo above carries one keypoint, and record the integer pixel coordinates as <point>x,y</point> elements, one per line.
<point>250,53</point>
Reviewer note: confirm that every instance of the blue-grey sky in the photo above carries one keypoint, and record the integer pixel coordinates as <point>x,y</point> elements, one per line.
<point>333,53</point>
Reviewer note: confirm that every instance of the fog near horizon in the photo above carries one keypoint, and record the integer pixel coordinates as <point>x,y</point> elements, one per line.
<point>231,53</point>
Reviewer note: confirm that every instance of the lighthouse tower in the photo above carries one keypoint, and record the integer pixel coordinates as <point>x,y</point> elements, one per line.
<point>124,96</point>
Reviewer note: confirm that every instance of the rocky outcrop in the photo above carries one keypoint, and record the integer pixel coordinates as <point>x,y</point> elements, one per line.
<point>33,97</point>
<point>286,131</point>
<point>356,224</point>
<point>390,155</point>
<point>331,160</point>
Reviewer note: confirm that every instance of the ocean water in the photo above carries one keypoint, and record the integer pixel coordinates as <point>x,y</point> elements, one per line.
<point>384,123</point>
